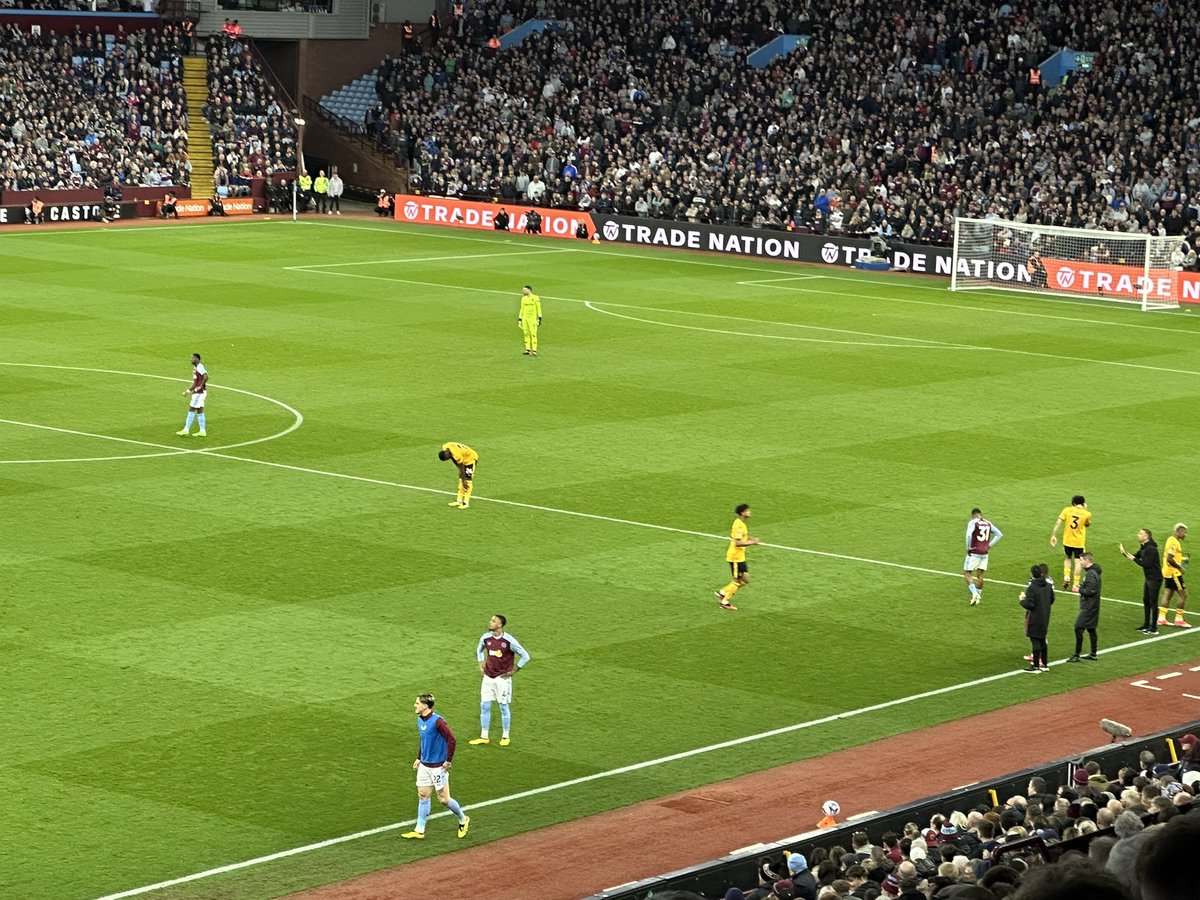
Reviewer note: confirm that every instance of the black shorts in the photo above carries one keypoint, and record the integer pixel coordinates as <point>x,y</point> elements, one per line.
<point>1072,552</point>
<point>738,569</point>
<point>468,472</point>
<point>1174,583</point>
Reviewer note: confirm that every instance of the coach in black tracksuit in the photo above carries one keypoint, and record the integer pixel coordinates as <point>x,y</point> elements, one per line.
<point>1089,607</point>
<point>1147,557</point>
<point>1037,599</point>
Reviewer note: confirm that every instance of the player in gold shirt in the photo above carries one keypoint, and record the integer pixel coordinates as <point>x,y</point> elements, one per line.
<point>529,318</point>
<point>1074,520</point>
<point>465,459</point>
<point>739,540</point>
<point>1174,562</point>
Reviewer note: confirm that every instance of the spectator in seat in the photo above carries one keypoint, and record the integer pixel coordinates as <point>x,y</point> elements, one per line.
<point>1070,881</point>
<point>167,208</point>
<point>35,212</point>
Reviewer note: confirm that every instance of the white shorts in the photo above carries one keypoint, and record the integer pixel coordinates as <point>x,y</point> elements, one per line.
<point>197,400</point>
<point>975,563</point>
<point>435,777</point>
<point>498,689</point>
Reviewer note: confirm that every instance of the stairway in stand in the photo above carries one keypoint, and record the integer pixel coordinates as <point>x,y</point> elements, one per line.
<point>195,84</point>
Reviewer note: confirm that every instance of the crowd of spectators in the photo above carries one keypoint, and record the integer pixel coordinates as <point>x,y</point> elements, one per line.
<point>81,5</point>
<point>80,110</point>
<point>253,135</point>
<point>890,121</point>
<point>1138,827</point>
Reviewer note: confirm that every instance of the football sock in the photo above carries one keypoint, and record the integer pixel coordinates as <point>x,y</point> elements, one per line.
<point>453,806</point>
<point>200,418</point>
<point>505,717</point>
<point>1067,571</point>
<point>191,417</point>
<point>467,489</point>
<point>1162,612</point>
<point>730,589</point>
<point>972,588</point>
<point>485,717</point>
<point>459,495</point>
<point>423,805</point>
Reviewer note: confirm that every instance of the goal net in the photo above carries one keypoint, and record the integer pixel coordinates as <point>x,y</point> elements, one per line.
<point>1044,259</point>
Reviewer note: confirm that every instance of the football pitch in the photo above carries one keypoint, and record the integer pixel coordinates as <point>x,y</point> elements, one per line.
<point>210,647</point>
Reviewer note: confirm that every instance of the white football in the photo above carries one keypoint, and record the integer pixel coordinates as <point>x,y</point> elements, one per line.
<point>831,807</point>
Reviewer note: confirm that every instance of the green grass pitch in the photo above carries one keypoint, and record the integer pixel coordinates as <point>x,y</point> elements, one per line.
<point>210,657</point>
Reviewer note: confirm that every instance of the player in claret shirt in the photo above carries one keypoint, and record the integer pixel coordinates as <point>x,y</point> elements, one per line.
<point>500,656</point>
<point>981,535</point>
<point>432,766</point>
<point>198,392</point>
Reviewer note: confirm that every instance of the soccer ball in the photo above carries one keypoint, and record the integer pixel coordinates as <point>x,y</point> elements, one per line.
<point>831,807</point>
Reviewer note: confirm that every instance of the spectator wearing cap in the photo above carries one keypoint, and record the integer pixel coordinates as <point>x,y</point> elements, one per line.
<point>891,886</point>
<point>948,836</point>
<point>1189,759</point>
<point>804,883</point>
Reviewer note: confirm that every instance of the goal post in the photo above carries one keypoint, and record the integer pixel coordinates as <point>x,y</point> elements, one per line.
<point>1140,269</point>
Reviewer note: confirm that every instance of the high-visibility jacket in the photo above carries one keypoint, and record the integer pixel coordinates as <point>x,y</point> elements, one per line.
<point>306,183</point>
<point>321,185</point>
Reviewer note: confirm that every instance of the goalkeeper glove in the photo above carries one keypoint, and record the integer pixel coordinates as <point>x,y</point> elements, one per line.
<point>539,320</point>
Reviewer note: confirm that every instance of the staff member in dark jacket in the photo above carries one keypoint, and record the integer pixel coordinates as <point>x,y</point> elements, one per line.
<point>1147,557</point>
<point>1037,599</point>
<point>1089,607</point>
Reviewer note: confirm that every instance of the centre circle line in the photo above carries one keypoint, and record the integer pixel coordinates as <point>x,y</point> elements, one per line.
<point>297,421</point>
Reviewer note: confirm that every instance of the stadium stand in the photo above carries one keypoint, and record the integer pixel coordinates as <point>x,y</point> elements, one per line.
<point>352,101</point>
<point>86,106</point>
<point>1062,831</point>
<point>252,134</point>
<point>890,121</point>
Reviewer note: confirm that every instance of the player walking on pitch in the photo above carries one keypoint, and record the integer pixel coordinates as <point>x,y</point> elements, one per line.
<point>529,318</point>
<point>1076,518</point>
<point>198,393</point>
<point>739,540</point>
<point>432,766</point>
<point>465,459</point>
<point>982,535</point>
<point>500,656</point>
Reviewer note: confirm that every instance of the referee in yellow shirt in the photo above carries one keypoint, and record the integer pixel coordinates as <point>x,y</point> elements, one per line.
<point>529,318</point>
<point>465,459</point>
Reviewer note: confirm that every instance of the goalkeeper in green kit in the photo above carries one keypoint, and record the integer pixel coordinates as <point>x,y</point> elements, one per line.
<point>529,318</point>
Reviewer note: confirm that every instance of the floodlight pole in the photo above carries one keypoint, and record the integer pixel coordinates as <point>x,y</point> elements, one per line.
<point>299,164</point>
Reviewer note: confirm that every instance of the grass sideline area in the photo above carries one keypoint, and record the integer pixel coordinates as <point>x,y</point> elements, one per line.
<point>211,656</point>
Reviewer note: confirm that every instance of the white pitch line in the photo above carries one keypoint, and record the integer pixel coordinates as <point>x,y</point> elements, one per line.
<point>1145,684</point>
<point>971,347</point>
<point>1192,696</point>
<point>907,282</point>
<point>923,345</point>
<point>424,259</point>
<point>297,421</point>
<point>591,516</point>
<point>1169,675</point>
<point>585,779</point>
